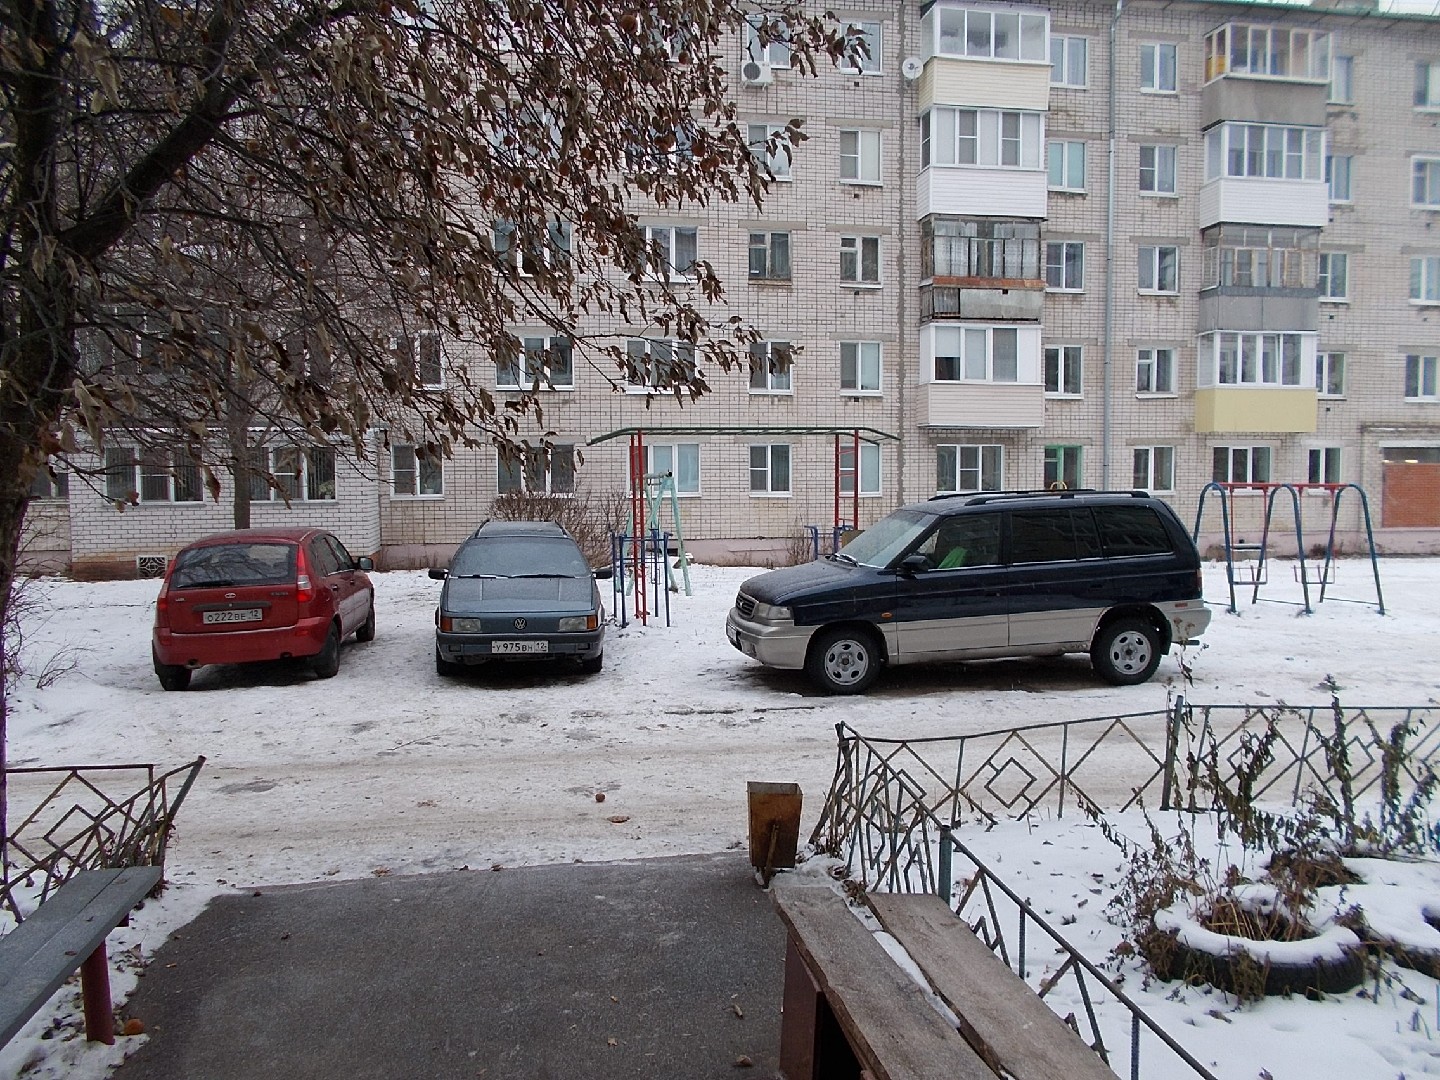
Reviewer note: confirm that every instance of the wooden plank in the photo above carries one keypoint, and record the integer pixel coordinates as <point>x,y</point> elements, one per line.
<point>894,1030</point>
<point>1006,1023</point>
<point>46,949</point>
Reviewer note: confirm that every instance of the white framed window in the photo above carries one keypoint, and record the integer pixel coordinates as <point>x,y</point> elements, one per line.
<point>869,468</point>
<point>542,360</point>
<point>51,483</point>
<point>1240,464</point>
<point>770,256</point>
<point>154,475</point>
<point>775,54</point>
<point>1066,161</point>
<point>658,364</point>
<point>1064,467</point>
<point>992,138</point>
<point>1330,374</point>
<point>1065,266</point>
<point>770,364</point>
<point>1159,269</point>
<point>1068,60</point>
<point>423,354</point>
<point>860,367</point>
<point>1334,276</point>
<point>306,473</point>
<point>770,469</point>
<point>1342,80</point>
<point>673,251</point>
<point>1427,84</point>
<point>870,64</point>
<point>1229,358</point>
<point>860,260</point>
<point>416,472</point>
<point>986,34</point>
<point>1425,280</point>
<point>1064,370</point>
<point>776,156</point>
<point>967,467</point>
<point>1263,50</point>
<point>1324,465</point>
<point>1338,170</point>
<point>1425,186</point>
<point>1155,371</point>
<point>1269,151</point>
<point>1157,170</point>
<point>977,354</point>
<point>859,156</point>
<point>680,460</point>
<point>1154,468</point>
<point>1157,68</point>
<point>527,257</point>
<point>537,471</point>
<point>1420,378</point>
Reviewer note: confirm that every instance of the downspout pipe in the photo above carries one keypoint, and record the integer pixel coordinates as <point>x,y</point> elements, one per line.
<point>1107,418</point>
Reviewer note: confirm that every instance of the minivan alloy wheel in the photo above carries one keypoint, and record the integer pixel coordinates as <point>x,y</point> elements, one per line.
<point>843,661</point>
<point>1126,652</point>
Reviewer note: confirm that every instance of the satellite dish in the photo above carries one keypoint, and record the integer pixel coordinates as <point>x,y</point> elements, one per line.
<point>911,67</point>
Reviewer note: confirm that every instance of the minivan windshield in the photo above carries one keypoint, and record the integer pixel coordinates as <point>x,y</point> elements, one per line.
<point>882,543</point>
<point>519,556</point>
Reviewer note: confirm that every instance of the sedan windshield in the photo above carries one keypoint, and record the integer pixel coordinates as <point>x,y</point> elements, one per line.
<point>516,556</point>
<point>887,539</point>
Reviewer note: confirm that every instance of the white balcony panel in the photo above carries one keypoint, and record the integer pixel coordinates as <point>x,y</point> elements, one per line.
<point>983,405</point>
<point>1253,201</point>
<point>975,190</point>
<point>998,84</point>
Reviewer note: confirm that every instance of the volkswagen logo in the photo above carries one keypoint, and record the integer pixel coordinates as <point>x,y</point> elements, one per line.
<point>520,624</point>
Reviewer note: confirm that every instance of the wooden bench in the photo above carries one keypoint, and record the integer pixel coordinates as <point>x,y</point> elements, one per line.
<point>851,1011</point>
<point>66,932</point>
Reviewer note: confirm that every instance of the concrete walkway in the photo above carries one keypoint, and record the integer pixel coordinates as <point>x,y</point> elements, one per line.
<point>656,968</point>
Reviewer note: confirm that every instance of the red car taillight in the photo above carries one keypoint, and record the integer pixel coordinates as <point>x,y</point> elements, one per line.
<point>162,606</point>
<point>303,592</point>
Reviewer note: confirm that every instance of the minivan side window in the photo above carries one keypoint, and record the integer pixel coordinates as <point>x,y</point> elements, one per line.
<point>1132,530</point>
<point>1053,536</point>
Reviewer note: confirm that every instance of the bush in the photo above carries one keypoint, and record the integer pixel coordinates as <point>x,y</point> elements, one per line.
<point>588,516</point>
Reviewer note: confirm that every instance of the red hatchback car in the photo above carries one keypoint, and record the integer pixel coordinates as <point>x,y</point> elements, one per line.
<point>260,594</point>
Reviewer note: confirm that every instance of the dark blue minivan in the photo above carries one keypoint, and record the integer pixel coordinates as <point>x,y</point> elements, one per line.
<point>966,577</point>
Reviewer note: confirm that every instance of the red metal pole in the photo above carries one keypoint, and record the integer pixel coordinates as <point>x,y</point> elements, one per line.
<point>95,991</point>
<point>855,511</point>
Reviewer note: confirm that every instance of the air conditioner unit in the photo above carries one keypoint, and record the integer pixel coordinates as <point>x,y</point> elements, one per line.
<point>754,73</point>
<point>150,566</point>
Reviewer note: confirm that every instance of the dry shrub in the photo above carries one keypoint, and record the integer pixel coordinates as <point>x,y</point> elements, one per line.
<point>590,517</point>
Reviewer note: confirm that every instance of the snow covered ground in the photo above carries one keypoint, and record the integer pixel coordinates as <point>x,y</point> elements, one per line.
<point>389,768</point>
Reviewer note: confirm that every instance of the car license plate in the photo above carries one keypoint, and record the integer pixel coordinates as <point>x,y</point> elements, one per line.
<point>519,646</point>
<point>234,615</point>
<point>733,636</point>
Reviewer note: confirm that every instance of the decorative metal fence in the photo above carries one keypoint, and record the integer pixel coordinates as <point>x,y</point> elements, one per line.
<point>83,818</point>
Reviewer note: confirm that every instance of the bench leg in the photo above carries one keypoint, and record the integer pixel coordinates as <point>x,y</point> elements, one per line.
<point>95,990</point>
<point>812,1044</point>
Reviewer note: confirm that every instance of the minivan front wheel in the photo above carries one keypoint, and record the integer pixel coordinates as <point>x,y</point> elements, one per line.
<point>844,660</point>
<point>1126,652</point>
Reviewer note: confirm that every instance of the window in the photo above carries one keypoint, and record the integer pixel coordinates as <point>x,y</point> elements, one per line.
<point>770,256</point>
<point>860,367</point>
<point>1157,170</point>
<point>1157,68</point>
<point>1154,468</point>
<point>1250,359</point>
<point>307,473</point>
<point>987,35</point>
<point>538,472</point>
<point>1426,188</point>
<point>1427,85</point>
<point>1273,51</point>
<point>1334,276</point>
<point>1062,467</point>
<point>770,469</point>
<point>1159,269</point>
<point>1330,374</point>
<point>1067,165</point>
<point>416,471</point>
<point>869,64</point>
<point>1067,61</point>
<point>1251,256</point>
<point>541,361</point>
<point>860,156</point>
<point>51,482</point>
<point>977,354</point>
<point>966,468</point>
<point>1425,280</point>
<point>423,354</point>
<point>1420,382</point>
<point>153,475</point>
<point>1268,151</point>
<point>680,460</point>
<point>993,138</point>
<point>1241,465</point>
<point>1063,370</point>
<point>676,249</point>
<point>770,367</point>
<point>869,468</point>
<point>775,54</point>
<point>1324,465</point>
<point>1065,266</point>
<point>1155,371</point>
<point>860,260</point>
<point>774,156</point>
<point>658,364</point>
<point>530,258</point>
<point>1342,80</point>
<point>1337,176</point>
<point>983,249</point>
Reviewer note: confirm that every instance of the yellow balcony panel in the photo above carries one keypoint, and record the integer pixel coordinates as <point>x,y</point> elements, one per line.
<point>1254,409</point>
<point>996,84</point>
<point>984,405</point>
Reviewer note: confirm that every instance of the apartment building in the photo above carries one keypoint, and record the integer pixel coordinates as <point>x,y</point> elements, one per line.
<point>1150,244</point>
